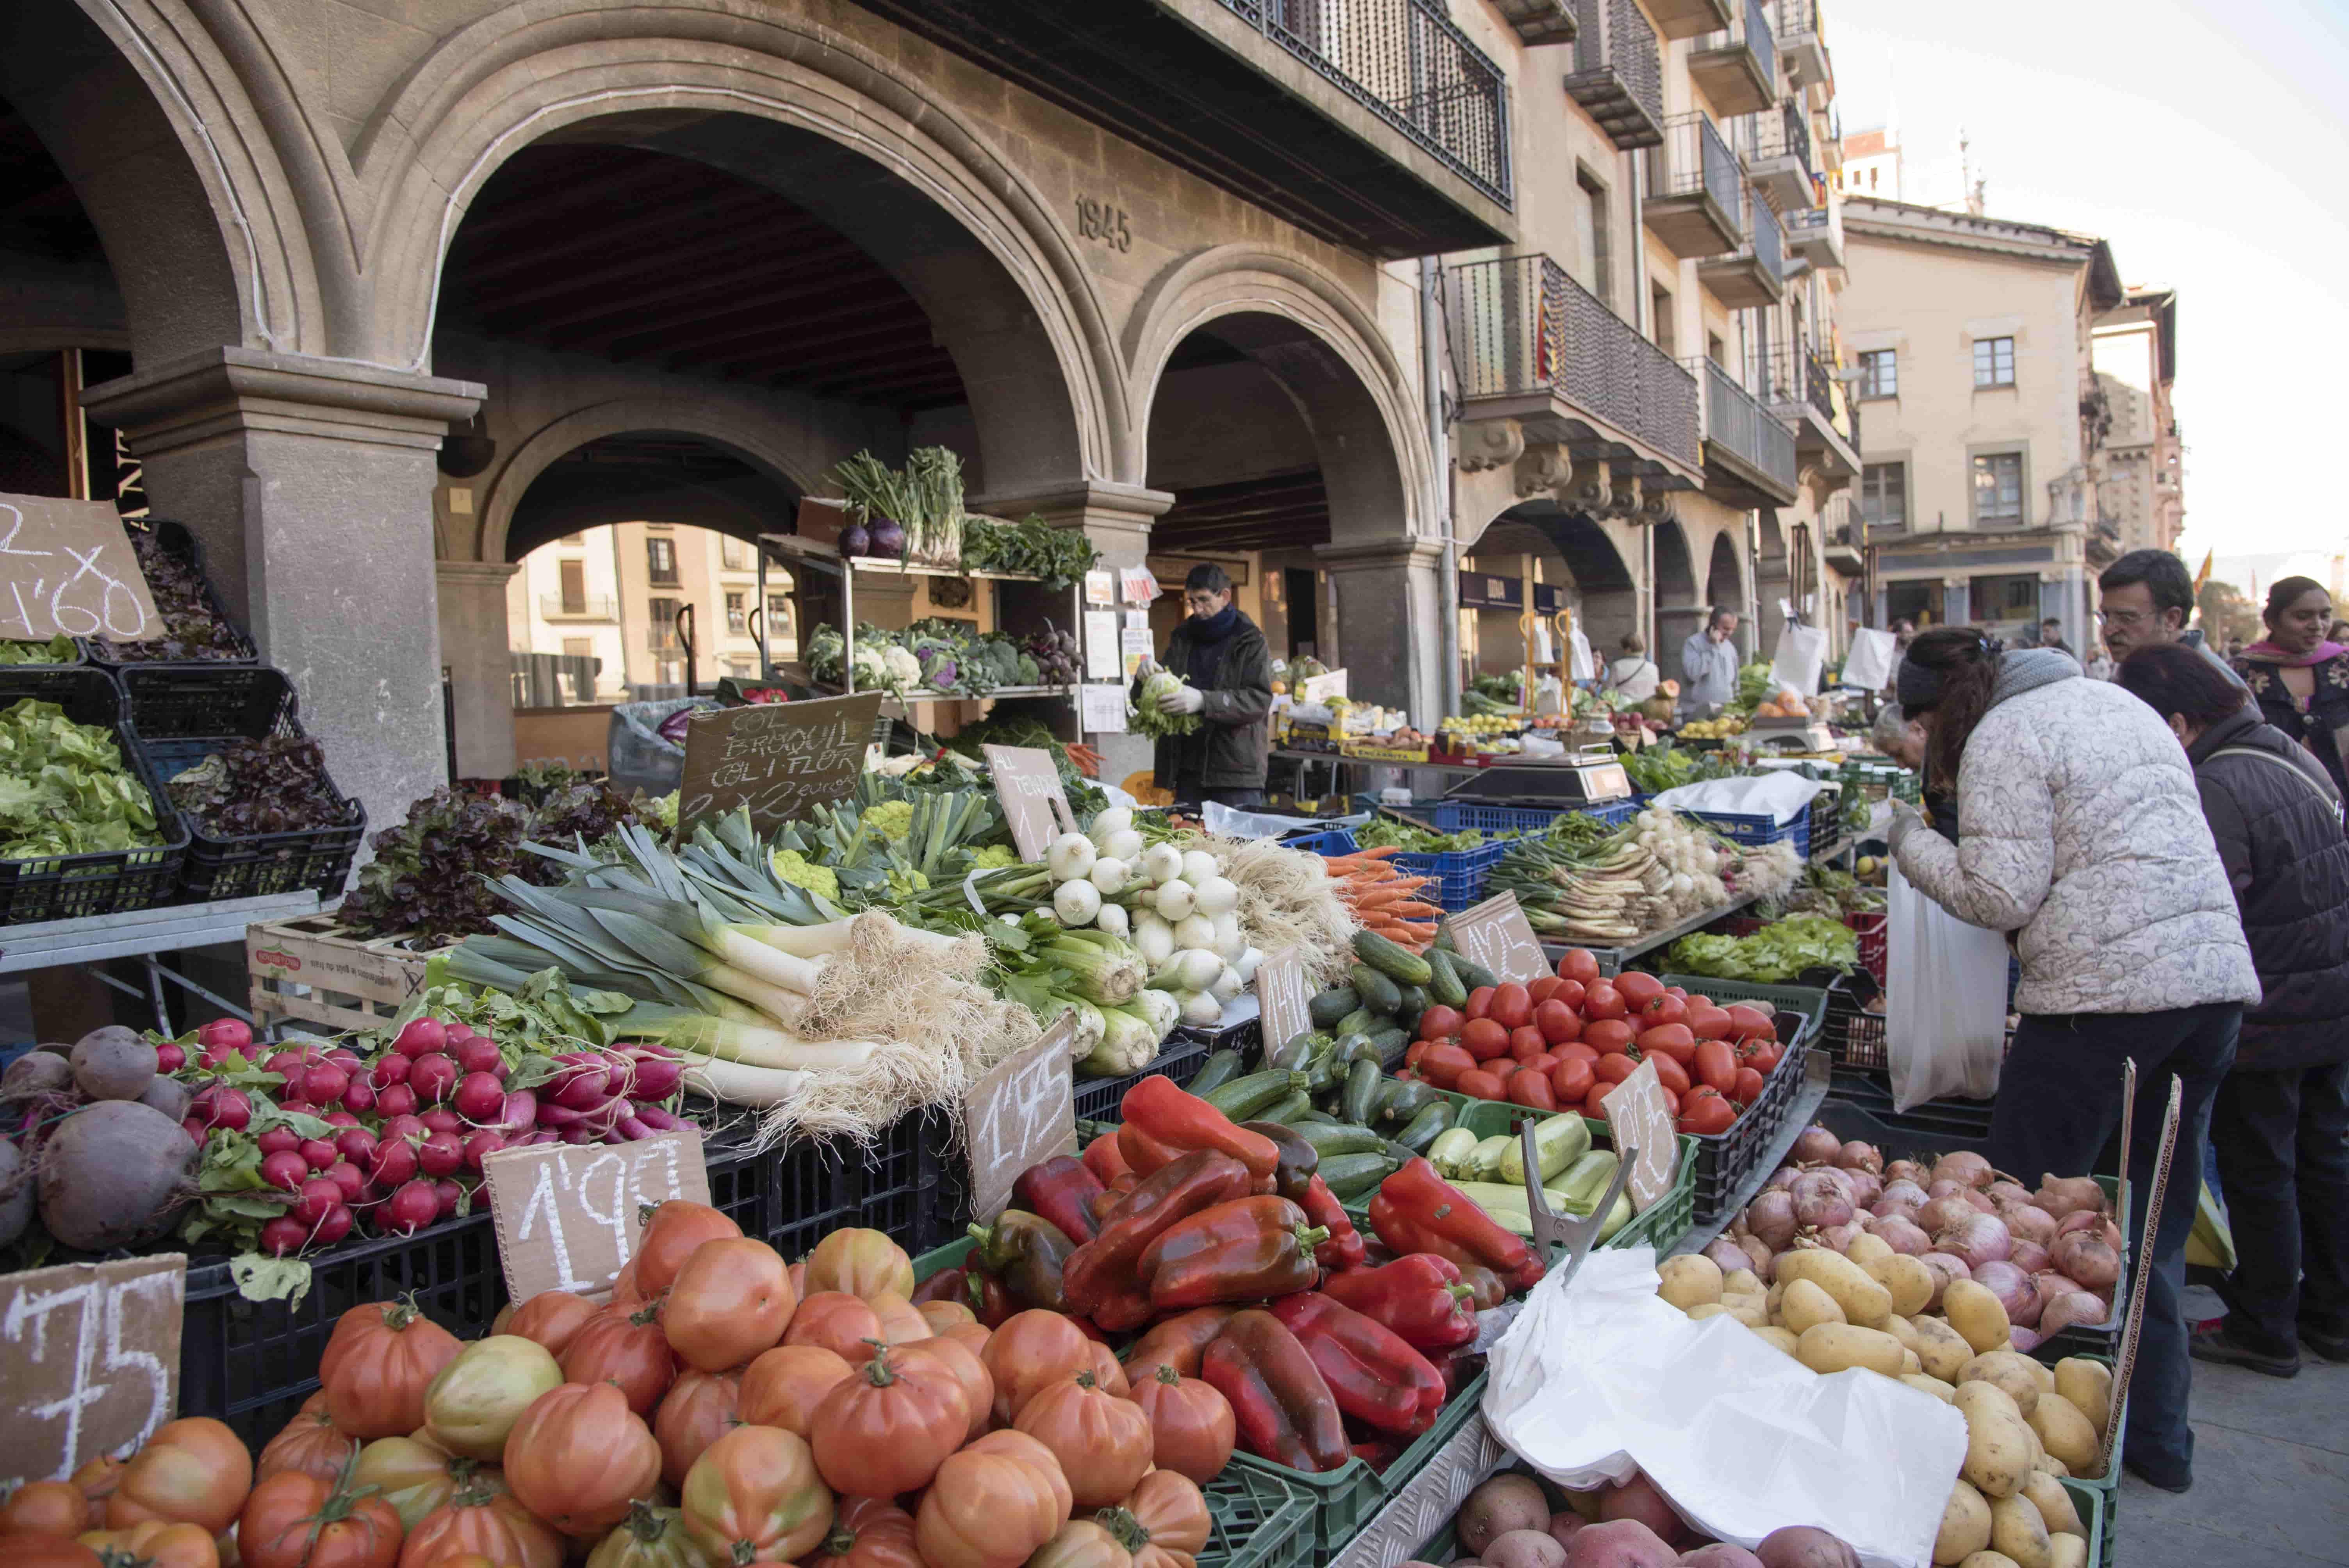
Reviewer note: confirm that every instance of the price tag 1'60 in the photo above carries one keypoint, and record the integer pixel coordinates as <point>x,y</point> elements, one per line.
<point>66,570</point>
<point>569,1216</point>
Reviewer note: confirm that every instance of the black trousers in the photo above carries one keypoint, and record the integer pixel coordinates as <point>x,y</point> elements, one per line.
<point>2058,1106</point>
<point>1188,787</point>
<point>2282,1141</point>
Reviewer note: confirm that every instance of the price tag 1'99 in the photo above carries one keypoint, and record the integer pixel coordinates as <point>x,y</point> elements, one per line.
<point>569,1216</point>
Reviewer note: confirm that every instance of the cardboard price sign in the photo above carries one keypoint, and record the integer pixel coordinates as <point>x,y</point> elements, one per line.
<point>1021,1111</point>
<point>1029,787</point>
<point>67,568</point>
<point>778,758</point>
<point>89,1362</point>
<point>568,1215</point>
<point>1639,1119</point>
<point>1496,935</point>
<point>1281,995</point>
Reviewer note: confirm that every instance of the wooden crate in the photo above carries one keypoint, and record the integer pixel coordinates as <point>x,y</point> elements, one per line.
<point>315,970</point>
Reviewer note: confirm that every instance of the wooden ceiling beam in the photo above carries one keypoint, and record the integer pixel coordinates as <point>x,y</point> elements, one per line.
<point>666,230</point>
<point>598,323</point>
<point>788,343</point>
<point>715,330</point>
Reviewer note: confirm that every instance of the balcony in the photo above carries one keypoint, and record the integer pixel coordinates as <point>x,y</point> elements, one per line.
<point>1539,22</point>
<point>1778,148</point>
<point>1749,456</point>
<point>1372,124</point>
<point>1737,69</point>
<point>1618,76</point>
<point>1842,536</point>
<point>1690,18</point>
<point>1696,197</point>
<point>662,640</point>
<point>1801,46</point>
<point>1754,274</point>
<point>1531,345</point>
<point>1816,233</point>
<point>590,607</point>
<point>1801,389</point>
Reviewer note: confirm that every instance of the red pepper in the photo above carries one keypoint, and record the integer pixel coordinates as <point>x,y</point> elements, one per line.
<point>1344,1249</point>
<point>1375,1378</point>
<point>1378,1454</point>
<point>1486,1290</point>
<point>1162,1111</point>
<point>1103,1159</point>
<point>1281,1406</point>
<point>1418,1198</point>
<point>947,1284</point>
<point>1419,1297</point>
<point>1100,1279</point>
<point>1177,1342</point>
<point>1145,1155</point>
<point>1061,1190</point>
<point>1241,1250</point>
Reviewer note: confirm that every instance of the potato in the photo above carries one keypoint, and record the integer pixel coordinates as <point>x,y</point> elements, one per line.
<point>2043,1373</point>
<point>1747,1309</point>
<point>1741,1282</point>
<point>1909,1362</point>
<point>1986,1559</point>
<point>1933,1385</point>
<point>1866,1249</point>
<point>1965,1525</point>
<point>1619,1544</point>
<point>2016,1529</point>
<point>1998,1449</point>
<point>2089,1386</point>
<point>1908,1280</point>
<point>1834,1347</point>
<point>1780,1338</point>
<point>1526,1549</point>
<point>1942,1349</point>
<point>2050,1465</point>
<point>2067,1551</point>
<point>1980,1396</point>
<point>1975,1312</point>
<point>1689,1280</point>
<point>1804,1546</point>
<point>1807,1304</point>
<point>2010,1370</point>
<point>1901,1329</point>
<point>1503,1504</point>
<point>1864,1302</point>
<point>2054,1503</point>
<point>1699,1312</point>
<point>2069,1435</point>
<point>1775,1296</point>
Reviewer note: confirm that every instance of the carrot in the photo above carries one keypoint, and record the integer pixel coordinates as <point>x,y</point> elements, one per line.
<point>1414,910</point>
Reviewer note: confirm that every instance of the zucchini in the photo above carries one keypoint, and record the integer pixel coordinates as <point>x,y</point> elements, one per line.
<point>1352,1175</point>
<point>1485,1163</point>
<point>1415,1003</point>
<point>1361,1093</point>
<point>1379,994</point>
<point>1332,1006</point>
<point>1361,1021</point>
<point>1291,1056</point>
<point>1402,1098</point>
<point>1305,1119</point>
<point>1354,1048</point>
<point>1390,959</point>
<point>1294,1103</point>
<point>1245,1099</point>
<point>1322,1073</point>
<point>1444,985</point>
<point>1389,1043</point>
<point>1218,1069</point>
<point>1425,1128</point>
<point>1340,1139</point>
<point>1558,1142</point>
<point>1450,1151</point>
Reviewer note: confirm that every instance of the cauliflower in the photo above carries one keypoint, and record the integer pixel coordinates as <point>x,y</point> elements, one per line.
<point>904,670</point>
<point>800,872</point>
<point>892,820</point>
<point>995,857</point>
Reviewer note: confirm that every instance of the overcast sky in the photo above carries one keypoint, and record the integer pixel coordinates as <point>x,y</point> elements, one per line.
<point>2207,142</point>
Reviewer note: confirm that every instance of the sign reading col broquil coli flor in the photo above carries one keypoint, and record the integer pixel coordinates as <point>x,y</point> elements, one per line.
<point>778,758</point>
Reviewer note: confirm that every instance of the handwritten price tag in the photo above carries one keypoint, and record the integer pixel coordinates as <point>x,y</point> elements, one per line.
<point>1496,935</point>
<point>1019,1112</point>
<point>1281,998</point>
<point>66,569</point>
<point>778,758</point>
<point>568,1216</point>
<point>1639,1119</point>
<point>89,1362</point>
<point>1034,805</point>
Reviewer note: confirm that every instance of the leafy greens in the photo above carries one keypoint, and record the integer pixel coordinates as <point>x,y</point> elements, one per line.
<point>64,788</point>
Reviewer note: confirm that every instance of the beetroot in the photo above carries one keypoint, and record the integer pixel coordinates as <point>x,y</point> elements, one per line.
<point>112,1173</point>
<point>36,1073</point>
<point>112,1063</point>
<point>17,1193</point>
<point>167,1095</point>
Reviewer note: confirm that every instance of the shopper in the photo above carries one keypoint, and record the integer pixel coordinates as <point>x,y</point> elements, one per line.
<point>2051,635</point>
<point>1709,666</point>
<point>2300,675</point>
<point>2146,596</point>
<point>1223,656</point>
<point>1904,632</point>
<point>1634,675</point>
<point>2281,1114</point>
<point>2084,836</point>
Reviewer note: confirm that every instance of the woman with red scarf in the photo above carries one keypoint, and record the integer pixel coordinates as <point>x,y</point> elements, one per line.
<point>2300,677</point>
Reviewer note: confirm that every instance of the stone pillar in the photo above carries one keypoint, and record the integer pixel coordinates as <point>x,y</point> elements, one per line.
<point>476,648</point>
<point>1389,595</point>
<point>1956,607</point>
<point>310,482</point>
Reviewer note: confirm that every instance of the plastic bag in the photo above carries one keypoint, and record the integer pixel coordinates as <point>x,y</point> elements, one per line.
<point>1868,665</point>
<point>1780,796</point>
<point>1796,663</point>
<point>639,758</point>
<point>1944,1000</point>
<point>1229,822</point>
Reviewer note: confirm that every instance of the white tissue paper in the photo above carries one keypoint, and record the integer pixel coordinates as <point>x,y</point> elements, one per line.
<point>1603,1378</point>
<point>1781,796</point>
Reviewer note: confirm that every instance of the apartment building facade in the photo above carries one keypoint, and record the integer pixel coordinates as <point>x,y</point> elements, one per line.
<point>2144,492</point>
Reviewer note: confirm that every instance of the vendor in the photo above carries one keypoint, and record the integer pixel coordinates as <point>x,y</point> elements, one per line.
<point>1223,656</point>
<point>1709,666</point>
<point>1634,675</point>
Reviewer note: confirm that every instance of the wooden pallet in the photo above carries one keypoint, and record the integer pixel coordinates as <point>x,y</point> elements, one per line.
<point>315,970</point>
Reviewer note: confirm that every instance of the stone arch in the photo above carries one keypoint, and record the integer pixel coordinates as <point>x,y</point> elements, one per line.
<point>1601,574</point>
<point>1724,585</point>
<point>1678,598</point>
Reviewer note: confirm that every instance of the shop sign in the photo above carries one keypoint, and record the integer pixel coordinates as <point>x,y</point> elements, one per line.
<point>66,569</point>
<point>781,760</point>
<point>569,1216</point>
<point>1281,995</point>
<point>1496,935</point>
<point>1029,787</point>
<point>1021,1111</point>
<point>89,1362</point>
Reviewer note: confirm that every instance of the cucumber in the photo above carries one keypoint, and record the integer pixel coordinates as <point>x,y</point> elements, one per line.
<point>1291,1056</point>
<point>1423,1128</point>
<point>1395,962</point>
<point>1245,1099</point>
<point>1291,1104</point>
<point>1352,1175</point>
<point>1338,1139</point>
<point>1415,1003</point>
<point>1473,974</point>
<point>1332,1006</point>
<point>1401,1099</point>
<point>1361,1021</point>
<point>1379,994</point>
<point>1389,1042</point>
<point>1444,985</point>
<point>1361,1093</point>
<point>1217,1071</point>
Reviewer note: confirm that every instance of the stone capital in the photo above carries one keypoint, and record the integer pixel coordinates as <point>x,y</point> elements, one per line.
<point>227,391</point>
<point>1380,554</point>
<point>475,574</point>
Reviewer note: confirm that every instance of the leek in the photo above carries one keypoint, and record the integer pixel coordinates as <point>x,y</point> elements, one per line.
<point>1100,976</point>
<point>1127,1045</point>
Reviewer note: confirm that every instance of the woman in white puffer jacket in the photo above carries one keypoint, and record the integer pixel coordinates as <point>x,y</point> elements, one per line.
<point>2080,829</point>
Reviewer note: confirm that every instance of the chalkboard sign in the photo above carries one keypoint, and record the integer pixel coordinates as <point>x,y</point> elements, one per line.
<point>1281,995</point>
<point>568,1216</point>
<point>1034,804</point>
<point>1641,1125</point>
<point>1496,935</point>
<point>1019,1112</point>
<point>778,758</point>
<point>89,1362</point>
<point>66,569</point>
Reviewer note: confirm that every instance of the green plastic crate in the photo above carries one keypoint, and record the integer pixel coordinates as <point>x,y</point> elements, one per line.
<point>1346,1499</point>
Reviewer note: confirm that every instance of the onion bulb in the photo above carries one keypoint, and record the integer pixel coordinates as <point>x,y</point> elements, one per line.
<point>1108,874</point>
<point>1127,846</point>
<point>1195,931</point>
<point>1200,1009</point>
<point>1113,919</point>
<point>1174,899</point>
<point>1112,819</point>
<point>1226,985</point>
<point>1162,864</point>
<point>1228,940</point>
<point>1154,938</point>
<point>1070,857</point>
<point>1215,895</point>
<point>1076,903</point>
<point>1199,866</point>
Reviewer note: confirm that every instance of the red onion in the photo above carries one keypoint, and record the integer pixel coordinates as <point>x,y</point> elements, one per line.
<point>2028,1256</point>
<point>1905,1170</point>
<point>1726,1254</point>
<point>1901,1196</point>
<point>1977,1202</point>
<point>2049,1285</point>
<point>1902,1235</point>
<point>1947,1268</point>
<point>2060,1195</point>
<point>1763,1261</point>
<point>1978,1240</point>
<point>2013,1289</point>
<point>1771,1218</point>
<point>2092,1221</point>
<point>1866,1187</point>
<point>1817,1145</point>
<point>2004,1192</point>
<point>1941,1213</point>
<point>2028,1222</point>
<point>1781,1179</point>
<point>2063,1311</point>
<point>2084,1256</point>
<point>1965,1165</point>
<point>1858,1156</point>
<point>1944,1187</point>
<point>1821,1201</point>
<point>1838,1238</point>
<point>2025,1340</point>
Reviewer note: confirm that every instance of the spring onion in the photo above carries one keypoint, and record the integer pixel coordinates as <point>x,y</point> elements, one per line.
<point>1174,899</point>
<point>1161,864</point>
<point>1195,931</point>
<point>1108,874</point>
<point>1076,901</point>
<point>1070,857</point>
<point>1215,895</point>
<point>1198,865</point>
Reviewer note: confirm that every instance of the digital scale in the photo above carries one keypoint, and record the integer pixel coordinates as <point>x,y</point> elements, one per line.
<point>1588,776</point>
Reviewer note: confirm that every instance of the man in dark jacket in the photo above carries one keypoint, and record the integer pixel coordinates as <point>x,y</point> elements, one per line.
<point>2282,1114</point>
<point>1223,655</point>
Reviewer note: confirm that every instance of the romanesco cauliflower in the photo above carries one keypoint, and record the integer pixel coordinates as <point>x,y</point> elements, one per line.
<point>800,872</point>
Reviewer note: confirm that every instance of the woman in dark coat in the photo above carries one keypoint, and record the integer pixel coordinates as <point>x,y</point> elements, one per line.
<point>2301,677</point>
<point>2281,1114</point>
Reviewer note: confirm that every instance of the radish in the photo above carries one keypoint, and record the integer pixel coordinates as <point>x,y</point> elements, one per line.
<point>441,1154</point>
<point>324,1083</point>
<point>285,1170</point>
<point>225,1035</point>
<point>448,1195</point>
<point>518,1114</point>
<point>480,1146</point>
<point>403,1128</point>
<point>480,1056</point>
<point>433,1077</point>
<point>394,1162</point>
<point>217,1105</point>
<point>340,1119</point>
<point>319,1153</point>
<point>283,1236</point>
<point>411,1206</point>
<point>356,1144</point>
<point>395,1101</point>
<point>197,1131</point>
<point>349,1178</point>
<point>288,1064</point>
<point>655,1077</point>
<point>171,1057</point>
<point>441,1119</point>
<point>279,1140</point>
<point>333,1227</point>
<point>314,1197</point>
<point>389,1070</point>
<point>359,1096</point>
<point>479,1099</point>
<point>420,1037</point>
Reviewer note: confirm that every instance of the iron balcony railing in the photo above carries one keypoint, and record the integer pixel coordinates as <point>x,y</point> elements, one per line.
<point>1763,237</point>
<point>1695,158</point>
<point>1788,377</point>
<point>1521,325</point>
<point>591,607</point>
<point>1736,421</point>
<point>1617,69</point>
<point>1749,30</point>
<point>1797,19</point>
<point>1783,132</point>
<point>1807,222</point>
<point>1405,62</point>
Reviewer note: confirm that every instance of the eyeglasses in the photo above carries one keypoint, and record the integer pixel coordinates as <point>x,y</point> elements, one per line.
<point>2125,619</point>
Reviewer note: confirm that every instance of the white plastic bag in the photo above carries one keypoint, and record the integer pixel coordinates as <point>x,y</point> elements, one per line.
<point>1796,663</point>
<point>1868,665</point>
<point>1944,1000</point>
<point>1780,796</point>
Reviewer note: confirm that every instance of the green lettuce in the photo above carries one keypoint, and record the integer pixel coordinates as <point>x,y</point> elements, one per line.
<point>1777,952</point>
<point>64,788</point>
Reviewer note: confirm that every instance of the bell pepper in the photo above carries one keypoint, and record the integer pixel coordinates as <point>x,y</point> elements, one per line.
<point>1177,1342</point>
<point>1419,1297</point>
<point>1100,1278</point>
<point>947,1284</point>
<point>1157,1109</point>
<point>1144,1154</point>
<point>1486,1290</point>
<point>1239,1251</point>
<point>1281,1406</point>
<point>1106,1160</point>
<point>1378,1454</point>
<point>1344,1250</point>
<point>1099,1204</point>
<point>1375,1378</point>
<point>1296,1159</point>
<point>1422,1204</point>
<point>1027,1252</point>
<point>1061,1191</point>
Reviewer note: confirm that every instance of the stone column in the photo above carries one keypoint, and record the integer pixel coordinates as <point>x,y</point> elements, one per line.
<point>310,482</point>
<point>1388,597</point>
<point>1956,608</point>
<point>476,648</point>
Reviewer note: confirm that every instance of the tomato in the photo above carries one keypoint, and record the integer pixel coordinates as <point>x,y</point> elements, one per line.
<point>1102,1442</point>
<point>1679,991</point>
<point>652,1537</point>
<point>1615,1069</point>
<point>1543,989</point>
<point>625,1347</point>
<point>1480,1002</point>
<point>1714,1065</point>
<point>1191,1423</point>
<point>1693,1000</point>
<point>1665,1009</point>
<point>1577,963</point>
<point>1172,1517</point>
<point>1670,1074</point>
<point>699,1408</point>
<point>1578,1051</point>
<point>1440,1022</point>
<point>1571,993</point>
<point>1748,1086</point>
<point>1442,1064</point>
<point>45,1551</point>
<point>992,1504</point>
<point>99,1479</point>
<point>579,1455</point>
<point>296,1521</point>
<point>675,1230</point>
<point>783,1387</point>
<point>482,1521</point>
<point>1486,1038</point>
<point>1557,1022</point>
<point>1604,1000</point>
<point>1033,1351</point>
<point>551,1317</point>
<point>1570,1081</point>
<point>870,1533</point>
<point>479,1397</point>
<point>978,1384</point>
<point>1709,1023</point>
<point>1671,1040</point>
<point>307,1443</point>
<point>1608,1036</point>
<point>942,1316</point>
<point>193,1470</point>
<point>155,1544</point>
<point>901,1321</point>
<point>1480,1085</point>
<point>1706,1114</point>
<point>53,1507</point>
<point>1751,1023</point>
<point>1638,988</point>
<point>1523,1041</point>
<point>416,1475</point>
<point>754,1496</point>
<point>1539,1062</point>
<point>1413,1051</point>
<point>1672,1102</point>
<point>1512,1007</point>
<point>1593,1102</point>
<point>887,1426</point>
<point>1533,1091</point>
<point>731,1301</point>
<point>1760,1054</point>
<point>860,1262</point>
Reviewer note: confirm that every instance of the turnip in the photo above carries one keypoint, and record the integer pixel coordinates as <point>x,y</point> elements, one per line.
<point>111,1174</point>
<point>17,1193</point>
<point>36,1073</point>
<point>112,1063</point>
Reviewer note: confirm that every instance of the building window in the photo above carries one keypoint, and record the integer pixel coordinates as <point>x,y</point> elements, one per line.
<point>1994,362</point>
<point>581,684</point>
<point>1590,219</point>
<point>1998,489</point>
<point>733,554</point>
<point>738,619</point>
<point>575,587</point>
<point>1879,373</point>
<point>779,611</point>
<point>1660,306</point>
<point>660,561</point>
<point>1884,495</point>
<point>662,634</point>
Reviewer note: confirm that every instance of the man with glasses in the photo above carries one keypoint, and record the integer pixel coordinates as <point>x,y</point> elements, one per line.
<point>1223,656</point>
<point>2146,597</point>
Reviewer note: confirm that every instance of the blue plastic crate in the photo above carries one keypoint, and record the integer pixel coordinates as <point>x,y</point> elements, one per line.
<point>1336,842</point>
<point>1757,832</point>
<point>1453,816</point>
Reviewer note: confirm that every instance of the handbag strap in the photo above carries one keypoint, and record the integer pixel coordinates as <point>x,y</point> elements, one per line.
<point>2285,763</point>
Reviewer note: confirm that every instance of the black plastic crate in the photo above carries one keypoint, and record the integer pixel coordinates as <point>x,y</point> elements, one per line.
<point>249,703</point>
<point>173,539</point>
<point>1247,1035</point>
<point>1725,1160</point>
<point>1179,1057</point>
<point>1953,1117</point>
<point>109,882</point>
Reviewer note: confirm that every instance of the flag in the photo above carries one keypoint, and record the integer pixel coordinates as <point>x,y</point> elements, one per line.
<point>2204,575</point>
